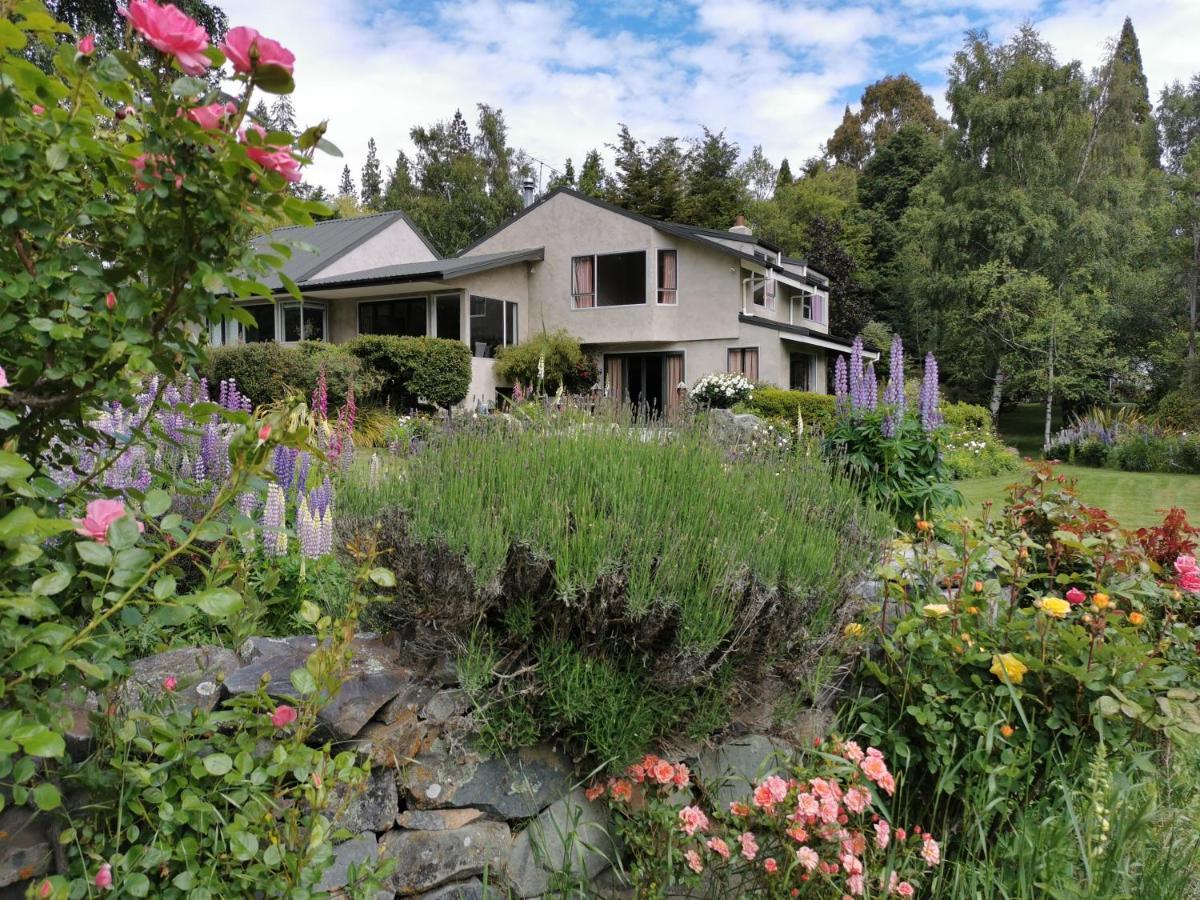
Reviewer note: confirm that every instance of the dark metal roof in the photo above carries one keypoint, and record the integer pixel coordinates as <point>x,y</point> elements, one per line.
<point>703,236</point>
<point>795,329</point>
<point>435,270</point>
<point>328,241</point>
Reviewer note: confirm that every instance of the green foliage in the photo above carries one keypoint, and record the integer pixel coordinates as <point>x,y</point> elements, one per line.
<point>1147,450</point>
<point>782,407</point>
<point>562,359</point>
<point>972,448</point>
<point>641,554</point>
<point>268,372</point>
<point>435,369</point>
<point>1179,410</point>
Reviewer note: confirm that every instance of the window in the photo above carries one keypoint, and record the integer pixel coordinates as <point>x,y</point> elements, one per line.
<point>405,316</point>
<point>493,325</point>
<point>801,369</point>
<point>611,279</point>
<point>448,323</point>
<point>668,278</point>
<point>224,333</point>
<point>761,290</point>
<point>744,361</point>
<point>263,328</point>
<point>812,306</point>
<point>303,323</point>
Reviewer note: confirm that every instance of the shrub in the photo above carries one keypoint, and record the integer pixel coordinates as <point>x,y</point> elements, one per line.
<point>560,358</point>
<point>1179,410</point>
<point>966,417</point>
<point>721,390</point>
<point>782,407</point>
<point>614,564</point>
<point>972,448</point>
<point>268,372</point>
<point>411,368</point>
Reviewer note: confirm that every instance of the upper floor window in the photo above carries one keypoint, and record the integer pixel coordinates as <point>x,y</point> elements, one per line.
<point>761,290</point>
<point>668,277</point>
<point>608,279</point>
<point>493,325</point>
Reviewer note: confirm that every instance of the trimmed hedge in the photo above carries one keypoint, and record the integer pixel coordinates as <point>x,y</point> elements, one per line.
<point>437,369</point>
<point>565,362</point>
<point>779,404</point>
<point>268,372</point>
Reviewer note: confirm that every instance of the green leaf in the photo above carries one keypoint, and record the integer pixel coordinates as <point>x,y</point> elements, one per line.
<point>303,681</point>
<point>188,87</point>
<point>137,885</point>
<point>123,533</point>
<point>274,80</point>
<point>13,466</point>
<point>217,602</point>
<point>164,587</point>
<point>383,577</point>
<point>309,612</point>
<point>57,157</point>
<point>44,743</point>
<point>94,554</point>
<point>47,797</point>
<point>23,522</point>
<point>218,764</point>
<point>157,502</point>
<point>51,583</point>
<point>243,844</point>
<point>11,37</point>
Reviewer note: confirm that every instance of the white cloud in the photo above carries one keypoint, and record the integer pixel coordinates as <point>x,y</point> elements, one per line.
<point>771,72</point>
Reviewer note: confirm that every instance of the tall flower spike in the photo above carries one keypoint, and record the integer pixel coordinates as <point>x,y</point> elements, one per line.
<point>894,395</point>
<point>320,397</point>
<point>274,535</point>
<point>841,387</point>
<point>870,388</point>
<point>931,416</point>
<point>858,396</point>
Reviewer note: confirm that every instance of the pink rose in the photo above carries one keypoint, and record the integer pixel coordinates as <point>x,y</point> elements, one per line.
<point>882,834</point>
<point>247,50</point>
<point>3,378</point>
<point>749,845</point>
<point>930,851</point>
<point>1075,596</point>
<point>692,819</point>
<point>904,889</point>
<point>808,858</point>
<point>770,865</point>
<point>278,160</point>
<point>1189,574</point>
<point>857,799</point>
<point>99,517</point>
<point>104,879</point>
<point>87,45</point>
<point>211,117</point>
<point>169,683</point>
<point>110,300</point>
<point>264,432</point>
<point>718,846</point>
<point>169,30</point>
<point>283,716</point>
<point>693,861</point>
<point>37,109</point>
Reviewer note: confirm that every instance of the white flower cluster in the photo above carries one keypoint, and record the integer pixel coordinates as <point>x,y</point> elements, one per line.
<point>722,389</point>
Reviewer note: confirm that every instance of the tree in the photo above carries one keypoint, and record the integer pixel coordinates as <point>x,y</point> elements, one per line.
<point>886,106</point>
<point>758,174</point>
<point>630,186</point>
<point>1131,81</point>
<point>592,177</point>
<point>346,188</point>
<point>565,178</point>
<point>283,114</point>
<point>665,172</point>
<point>1179,114</point>
<point>262,114</point>
<point>372,178</point>
<point>400,189</point>
<point>714,195</point>
<point>784,177</point>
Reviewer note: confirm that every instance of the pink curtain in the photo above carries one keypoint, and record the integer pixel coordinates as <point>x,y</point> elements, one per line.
<point>675,377</point>
<point>583,285</point>
<point>668,283</point>
<point>818,314</point>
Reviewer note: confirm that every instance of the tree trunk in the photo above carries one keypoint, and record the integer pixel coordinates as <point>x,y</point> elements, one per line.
<point>1049,397</point>
<point>1193,289</point>
<point>997,392</point>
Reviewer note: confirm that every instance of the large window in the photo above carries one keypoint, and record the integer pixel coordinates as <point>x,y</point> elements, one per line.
<point>761,291</point>
<point>405,316</point>
<point>447,318</point>
<point>668,277</point>
<point>744,361</point>
<point>263,328</point>
<point>303,322</point>
<point>801,372</point>
<point>609,279</point>
<point>493,325</point>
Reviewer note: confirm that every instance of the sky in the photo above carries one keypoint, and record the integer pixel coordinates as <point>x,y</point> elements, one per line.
<point>566,72</point>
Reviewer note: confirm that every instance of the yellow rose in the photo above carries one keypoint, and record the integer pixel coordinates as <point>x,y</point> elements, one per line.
<point>855,630</point>
<point>936,610</point>
<point>1100,600</point>
<point>1136,619</point>
<point>1008,667</point>
<point>1056,607</point>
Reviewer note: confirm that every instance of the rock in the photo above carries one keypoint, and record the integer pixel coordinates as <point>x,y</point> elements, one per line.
<point>446,705</point>
<point>393,745</point>
<point>374,808</point>
<point>807,725</point>
<point>472,889</point>
<point>198,671</point>
<point>437,819</point>
<point>428,859</point>
<point>572,836</point>
<point>412,697</point>
<point>735,428</point>
<point>739,764</point>
<point>24,847</point>
<point>355,851</point>
<point>78,735</point>
<point>513,786</point>
<point>373,677</point>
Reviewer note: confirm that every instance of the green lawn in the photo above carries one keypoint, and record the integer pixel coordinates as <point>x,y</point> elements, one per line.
<point>1134,499</point>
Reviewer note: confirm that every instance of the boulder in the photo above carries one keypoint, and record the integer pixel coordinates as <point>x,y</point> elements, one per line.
<point>411,699</point>
<point>516,785</point>
<point>355,851</point>
<point>471,889</point>
<point>25,850</point>
<point>393,745</point>
<point>738,764</point>
<point>199,673</point>
<point>373,808</point>
<point>572,836</point>
<point>735,428</point>
<point>429,859</point>
<point>446,705</point>
<point>437,819</point>
<point>374,676</point>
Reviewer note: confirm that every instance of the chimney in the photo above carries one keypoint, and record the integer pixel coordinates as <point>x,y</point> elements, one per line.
<point>740,226</point>
<point>527,187</point>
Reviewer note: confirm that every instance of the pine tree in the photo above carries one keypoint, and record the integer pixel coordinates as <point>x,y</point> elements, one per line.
<point>784,178</point>
<point>400,189</point>
<point>283,114</point>
<point>563,179</point>
<point>346,188</point>
<point>1129,75</point>
<point>631,186</point>
<point>714,195</point>
<point>262,115</point>
<point>592,176</point>
<point>372,178</point>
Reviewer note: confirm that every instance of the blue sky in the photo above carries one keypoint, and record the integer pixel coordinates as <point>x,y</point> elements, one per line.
<point>565,72</point>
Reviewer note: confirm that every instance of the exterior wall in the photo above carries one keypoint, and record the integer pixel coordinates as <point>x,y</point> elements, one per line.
<point>397,243</point>
<point>566,226</point>
<point>508,283</point>
<point>483,383</point>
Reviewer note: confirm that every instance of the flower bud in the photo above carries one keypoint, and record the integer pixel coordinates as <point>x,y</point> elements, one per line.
<point>110,300</point>
<point>264,432</point>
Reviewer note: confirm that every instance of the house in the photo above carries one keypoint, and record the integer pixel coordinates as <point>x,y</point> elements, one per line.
<point>657,303</point>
